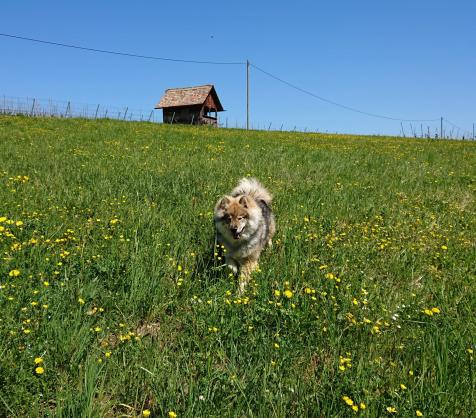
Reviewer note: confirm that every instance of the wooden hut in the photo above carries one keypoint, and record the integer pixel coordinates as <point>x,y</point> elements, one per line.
<point>191,105</point>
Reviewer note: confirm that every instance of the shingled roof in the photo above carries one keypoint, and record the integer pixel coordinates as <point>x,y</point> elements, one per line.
<point>189,96</point>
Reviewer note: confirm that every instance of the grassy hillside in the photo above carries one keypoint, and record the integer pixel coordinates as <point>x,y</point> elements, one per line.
<point>113,301</point>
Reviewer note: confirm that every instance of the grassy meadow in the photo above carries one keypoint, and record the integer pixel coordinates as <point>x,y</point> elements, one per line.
<point>114,301</point>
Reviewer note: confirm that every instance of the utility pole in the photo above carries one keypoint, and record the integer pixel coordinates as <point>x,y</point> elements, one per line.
<point>441,128</point>
<point>247,95</point>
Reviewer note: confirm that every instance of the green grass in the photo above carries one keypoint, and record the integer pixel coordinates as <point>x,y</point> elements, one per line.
<point>120,294</point>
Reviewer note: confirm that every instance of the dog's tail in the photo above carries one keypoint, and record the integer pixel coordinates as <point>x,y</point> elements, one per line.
<point>253,188</point>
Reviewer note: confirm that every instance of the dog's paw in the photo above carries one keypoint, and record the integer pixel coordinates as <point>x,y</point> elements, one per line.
<point>232,266</point>
<point>242,287</point>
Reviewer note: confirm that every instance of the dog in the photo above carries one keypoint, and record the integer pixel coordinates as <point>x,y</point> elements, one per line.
<point>244,224</point>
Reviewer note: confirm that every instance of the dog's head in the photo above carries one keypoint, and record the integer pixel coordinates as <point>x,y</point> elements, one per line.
<point>234,214</point>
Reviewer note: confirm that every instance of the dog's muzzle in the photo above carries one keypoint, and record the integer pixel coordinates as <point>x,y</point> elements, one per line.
<point>236,234</point>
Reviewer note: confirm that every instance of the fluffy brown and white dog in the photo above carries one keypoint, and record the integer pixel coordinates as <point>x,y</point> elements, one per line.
<point>244,225</point>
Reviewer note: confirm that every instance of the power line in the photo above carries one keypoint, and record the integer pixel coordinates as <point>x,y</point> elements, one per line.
<point>464,131</point>
<point>375,115</point>
<point>126,54</point>
<point>247,63</point>
<point>455,126</point>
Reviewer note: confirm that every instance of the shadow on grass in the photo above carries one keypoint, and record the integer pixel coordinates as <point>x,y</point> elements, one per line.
<point>211,266</point>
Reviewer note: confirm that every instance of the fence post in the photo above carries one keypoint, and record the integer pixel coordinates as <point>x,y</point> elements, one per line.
<point>97,110</point>
<point>68,109</point>
<point>173,116</point>
<point>125,113</point>
<point>403,131</point>
<point>32,107</point>
<point>150,116</point>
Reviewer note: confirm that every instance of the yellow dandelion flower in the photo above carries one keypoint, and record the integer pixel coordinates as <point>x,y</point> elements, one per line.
<point>362,405</point>
<point>347,400</point>
<point>402,386</point>
<point>172,414</point>
<point>38,360</point>
<point>14,273</point>
<point>276,345</point>
<point>435,310</point>
<point>288,293</point>
<point>81,301</point>
<point>418,413</point>
<point>39,370</point>
<point>277,293</point>
<point>391,409</point>
<point>145,413</point>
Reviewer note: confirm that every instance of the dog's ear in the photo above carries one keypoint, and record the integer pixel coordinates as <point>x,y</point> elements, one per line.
<point>244,201</point>
<point>223,203</point>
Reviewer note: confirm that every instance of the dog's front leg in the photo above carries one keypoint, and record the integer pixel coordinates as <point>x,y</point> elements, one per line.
<point>231,264</point>
<point>248,266</point>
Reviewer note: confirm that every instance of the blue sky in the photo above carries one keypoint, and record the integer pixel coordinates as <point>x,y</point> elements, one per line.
<point>405,59</point>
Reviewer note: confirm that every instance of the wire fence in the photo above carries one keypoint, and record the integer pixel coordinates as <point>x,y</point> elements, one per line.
<point>34,107</point>
<point>67,109</point>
